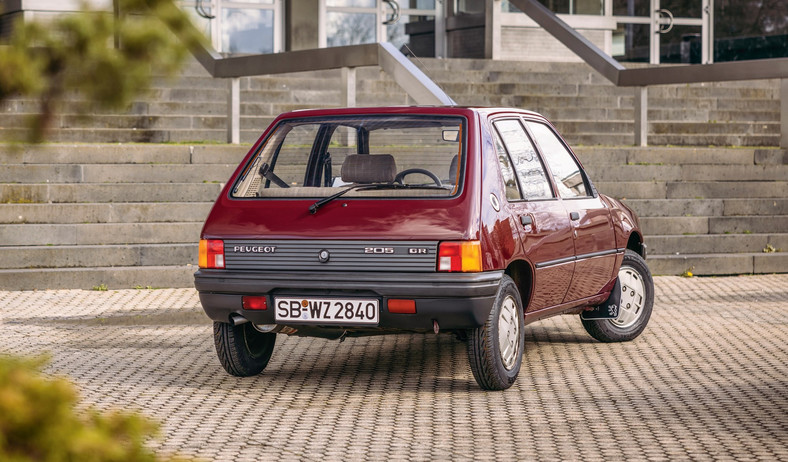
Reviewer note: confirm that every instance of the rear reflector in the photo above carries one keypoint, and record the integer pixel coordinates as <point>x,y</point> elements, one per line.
<point>402,306</point>
<point>254,303</point>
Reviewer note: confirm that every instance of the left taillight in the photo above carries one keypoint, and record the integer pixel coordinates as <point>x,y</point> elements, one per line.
<point>211,253</point>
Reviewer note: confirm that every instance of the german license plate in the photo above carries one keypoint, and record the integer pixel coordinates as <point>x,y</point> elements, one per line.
<point>346,311</point>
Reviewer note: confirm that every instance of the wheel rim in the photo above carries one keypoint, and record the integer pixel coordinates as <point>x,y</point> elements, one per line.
<point>509,333</point>
<point>633,297</point>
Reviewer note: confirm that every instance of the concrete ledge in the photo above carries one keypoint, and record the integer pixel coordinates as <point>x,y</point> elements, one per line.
<point>88,278</point>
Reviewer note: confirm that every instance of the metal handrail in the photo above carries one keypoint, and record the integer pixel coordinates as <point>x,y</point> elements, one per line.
<point>641,78</point>
<point>611,69</point>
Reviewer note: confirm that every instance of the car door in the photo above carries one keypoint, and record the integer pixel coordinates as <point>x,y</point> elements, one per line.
<point>543,223</point>
<point>592,230</point>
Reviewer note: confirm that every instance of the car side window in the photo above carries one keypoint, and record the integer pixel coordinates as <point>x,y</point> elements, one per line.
<point>507,169</point>
<point>566,172</point>
<point>529,169</point>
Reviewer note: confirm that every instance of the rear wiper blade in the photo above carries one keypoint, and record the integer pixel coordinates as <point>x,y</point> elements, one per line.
<point>313,208</point>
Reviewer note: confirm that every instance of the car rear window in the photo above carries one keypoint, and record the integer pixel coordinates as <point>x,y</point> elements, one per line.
<point>372,156</point>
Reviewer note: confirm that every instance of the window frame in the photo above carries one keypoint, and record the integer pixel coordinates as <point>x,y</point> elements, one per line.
<point>325,126</point>
<point>548,175</point>
<point>590,190</point>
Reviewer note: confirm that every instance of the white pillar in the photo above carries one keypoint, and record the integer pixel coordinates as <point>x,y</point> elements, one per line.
<point>234,110</point>
<point>784,113</point>
<point>641,116</point>
<point>348,87</point>
<point>492,29</point>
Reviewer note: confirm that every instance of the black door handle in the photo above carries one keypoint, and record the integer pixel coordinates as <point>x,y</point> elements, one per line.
<point>526,220</point>
<point>574,216</point>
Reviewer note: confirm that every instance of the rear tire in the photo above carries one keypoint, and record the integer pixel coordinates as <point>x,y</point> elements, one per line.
<point>637,301</point>
<point>242,350</point>
<point>495,350</point>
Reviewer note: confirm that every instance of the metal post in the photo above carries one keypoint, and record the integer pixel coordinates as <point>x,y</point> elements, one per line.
<point>440,29</point>
<point>234,111</point>
<point>348,87</point>
<point>641,116</point>
<point>784,113</point>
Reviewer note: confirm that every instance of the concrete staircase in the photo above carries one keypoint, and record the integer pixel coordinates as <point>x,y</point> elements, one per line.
<point>586,108</point>
<point>708,211</point>
<point>126,215</point>
<point>85,216</point>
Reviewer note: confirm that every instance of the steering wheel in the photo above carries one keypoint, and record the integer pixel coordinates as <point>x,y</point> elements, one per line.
<point>402,174</point>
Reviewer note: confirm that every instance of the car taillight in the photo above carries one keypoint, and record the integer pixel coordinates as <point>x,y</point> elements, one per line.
<point>211,253</point>
<point>464,256</point>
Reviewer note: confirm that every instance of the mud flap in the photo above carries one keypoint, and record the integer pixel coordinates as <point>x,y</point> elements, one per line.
<point>608,309</point>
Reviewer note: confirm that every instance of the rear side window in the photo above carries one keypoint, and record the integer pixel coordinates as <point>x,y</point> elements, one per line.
<point>566,172</point>
<point>529,169</point>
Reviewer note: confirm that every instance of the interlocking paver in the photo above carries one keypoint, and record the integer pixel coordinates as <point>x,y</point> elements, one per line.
<point>708,379</point>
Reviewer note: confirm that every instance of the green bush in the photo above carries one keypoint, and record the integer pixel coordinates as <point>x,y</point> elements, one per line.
<point>39,421</point>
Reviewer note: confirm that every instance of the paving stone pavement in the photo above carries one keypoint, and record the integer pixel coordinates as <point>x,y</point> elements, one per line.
<point>707,380</point>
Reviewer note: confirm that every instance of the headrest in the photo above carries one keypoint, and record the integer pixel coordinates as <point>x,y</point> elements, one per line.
<point>369,168</point>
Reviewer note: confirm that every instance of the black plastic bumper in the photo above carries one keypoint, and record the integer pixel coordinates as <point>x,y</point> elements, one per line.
<point>454,300</point>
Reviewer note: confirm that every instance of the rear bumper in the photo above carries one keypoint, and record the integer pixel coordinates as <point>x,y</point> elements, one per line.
<point>454,300</point>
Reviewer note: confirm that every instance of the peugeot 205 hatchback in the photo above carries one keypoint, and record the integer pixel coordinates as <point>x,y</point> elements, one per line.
<point>349,222</point>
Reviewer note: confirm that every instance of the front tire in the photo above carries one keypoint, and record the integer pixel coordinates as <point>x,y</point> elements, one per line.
<point>495,350</point>
<point>637,301</point>
<point>242,350</point>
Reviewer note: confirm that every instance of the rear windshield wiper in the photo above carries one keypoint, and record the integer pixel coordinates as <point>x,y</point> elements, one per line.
<point>313,208</point>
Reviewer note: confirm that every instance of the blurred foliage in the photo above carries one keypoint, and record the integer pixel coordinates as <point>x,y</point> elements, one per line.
<point>72,56</point>
<point>39,421</point>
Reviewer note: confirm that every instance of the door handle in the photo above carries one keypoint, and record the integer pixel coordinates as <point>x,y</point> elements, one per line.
<point>526,220</point>
<point>574,216</point>
<point>662,14</point>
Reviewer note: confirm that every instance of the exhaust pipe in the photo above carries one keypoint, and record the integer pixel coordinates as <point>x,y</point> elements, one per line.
<point>237,320</point>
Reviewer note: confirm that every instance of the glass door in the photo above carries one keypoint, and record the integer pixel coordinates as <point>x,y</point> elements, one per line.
<point>663,31</point>
<point>410,25</point>
<point>239,26</point>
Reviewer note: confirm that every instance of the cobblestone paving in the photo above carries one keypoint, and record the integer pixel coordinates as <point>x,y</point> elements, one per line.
<point>707,380</point>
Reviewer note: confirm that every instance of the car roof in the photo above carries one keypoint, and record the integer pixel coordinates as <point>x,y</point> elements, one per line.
<point>433,110</point>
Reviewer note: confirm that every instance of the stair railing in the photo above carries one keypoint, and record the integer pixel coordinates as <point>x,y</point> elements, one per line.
<point>641,78</point>
<point>347,58</point>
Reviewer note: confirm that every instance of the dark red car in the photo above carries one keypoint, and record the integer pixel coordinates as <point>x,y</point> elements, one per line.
<point>348,222</point>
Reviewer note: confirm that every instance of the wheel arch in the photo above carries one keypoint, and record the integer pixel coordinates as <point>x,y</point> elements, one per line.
<point>635,244</point>
<point>522,275</point>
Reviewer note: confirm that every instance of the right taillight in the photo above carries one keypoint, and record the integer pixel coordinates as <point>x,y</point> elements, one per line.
<point>211,253</point>
<point>460,256</point>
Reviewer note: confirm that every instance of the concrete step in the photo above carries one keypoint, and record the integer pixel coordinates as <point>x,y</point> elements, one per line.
<point>688,173</point>
<point>685,155</point>
<point>99,233</point>
<point>116,173</point>
<point>708,128</point>
<point>109,135</point>
<point>719,263</point>
<point>122,153</point>
<point>708,207</point>
<point>748,224</point>
<point>714,140</point>
<point>674,225</point>
<point>90,256</point>
<point>688,225</point>
<point>88,278</point>
<point>727,189</point>
<point>99,192</point>
<point>118,212</point>
<point>715,243</point>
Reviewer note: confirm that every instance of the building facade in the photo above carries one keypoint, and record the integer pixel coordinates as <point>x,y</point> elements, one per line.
<point>655,31</point>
